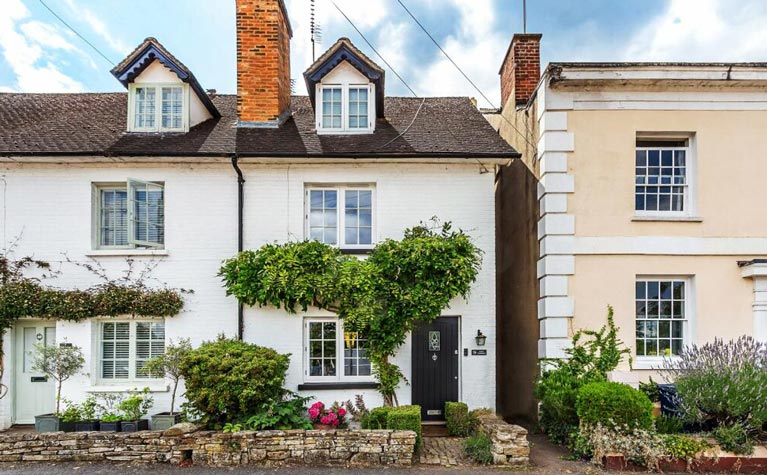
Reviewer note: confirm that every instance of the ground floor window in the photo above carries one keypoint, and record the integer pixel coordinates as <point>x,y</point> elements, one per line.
<point>126,346</point>
<point>333,354</point>
<point>662,316</point>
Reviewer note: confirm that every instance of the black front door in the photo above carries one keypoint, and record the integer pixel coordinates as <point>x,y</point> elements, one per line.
<point>435,367</point>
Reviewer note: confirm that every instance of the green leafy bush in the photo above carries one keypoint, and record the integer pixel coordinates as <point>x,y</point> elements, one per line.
<point>474,416</point>
<point>665,424</point>
<point>71,412</point>
<point>377,418</point>
<point>639,446</point>
<point>288,413</point>
<point>734,438</point>
<point>724,385</point>
<point>611,403</point>
<point>136,405</point>
<point>650,388</point>
<point>592,355</point>
<point>457,418</point>
<point>227,379</point>
<point>480,448</point>
<point>683,447</point>
<point>405,418</point>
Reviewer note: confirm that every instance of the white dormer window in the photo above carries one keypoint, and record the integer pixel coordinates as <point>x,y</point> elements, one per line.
<point>345,108</point>
<point>158,108</point>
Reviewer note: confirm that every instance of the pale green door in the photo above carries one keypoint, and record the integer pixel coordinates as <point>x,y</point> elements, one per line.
<point>34,394</point>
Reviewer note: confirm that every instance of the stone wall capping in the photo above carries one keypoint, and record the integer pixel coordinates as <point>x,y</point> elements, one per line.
<point>358,448</point>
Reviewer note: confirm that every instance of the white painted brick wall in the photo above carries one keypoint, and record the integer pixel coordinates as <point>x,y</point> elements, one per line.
<point>50,205</point>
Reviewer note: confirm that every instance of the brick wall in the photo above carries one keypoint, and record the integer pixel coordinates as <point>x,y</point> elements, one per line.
<point>521,69</point>
<point>263,60</point>
<point>360,448</point>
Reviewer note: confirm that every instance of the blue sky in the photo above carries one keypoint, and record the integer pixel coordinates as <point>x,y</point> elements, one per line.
<point>38,54</point>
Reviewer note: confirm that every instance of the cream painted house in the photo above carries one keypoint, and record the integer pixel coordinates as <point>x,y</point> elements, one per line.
<point>649,198</point>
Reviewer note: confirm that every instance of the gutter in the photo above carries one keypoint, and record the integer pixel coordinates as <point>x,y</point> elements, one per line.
<point>240,234</point>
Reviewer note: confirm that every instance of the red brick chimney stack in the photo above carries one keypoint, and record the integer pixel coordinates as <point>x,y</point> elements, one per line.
<point>521,69</point>
<point>263,62</point>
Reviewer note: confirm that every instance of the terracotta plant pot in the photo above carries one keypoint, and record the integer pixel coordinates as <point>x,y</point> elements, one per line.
<point>319,426</point>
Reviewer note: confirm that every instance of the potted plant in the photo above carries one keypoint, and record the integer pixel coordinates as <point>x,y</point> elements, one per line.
<point>110,416</point>
<point>60,363</point>
<point>134,408</point>
<point>67,419</point>
<point>88,422</point>
<point>169,365</point>
<point>327,418</point>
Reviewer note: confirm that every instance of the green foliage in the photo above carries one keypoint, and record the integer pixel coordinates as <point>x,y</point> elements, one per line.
<point>724,385</point>
<point>457,418</point>
<point>136,405</point>
<point>377,418</point>
<point>71,412</point>
<point>650,388</point>
<point>168,365</point>
<point>406,418</point>
<point>665,424</point>
<point>89,408</point>
<point>401,285</point>
<point>59,362</point>
<point>474,416</point>
<point>592,355</point>
<point>683,447</point>
<point>735,438</point>
<point>480,448</point>
<point>357,410</point>
<point>226,379</point>
<point>611,403</point>
<point>284,414</point>
<point>232,427</point>
<point>110,417</point>
<point>638,446</point>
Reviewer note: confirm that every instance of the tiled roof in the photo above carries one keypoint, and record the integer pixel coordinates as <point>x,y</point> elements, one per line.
<point>95,124</point>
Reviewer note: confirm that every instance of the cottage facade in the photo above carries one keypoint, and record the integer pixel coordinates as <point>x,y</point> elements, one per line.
<point>177,178</point>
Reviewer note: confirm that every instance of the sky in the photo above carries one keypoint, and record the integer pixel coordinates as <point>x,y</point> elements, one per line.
<point>39,54</point>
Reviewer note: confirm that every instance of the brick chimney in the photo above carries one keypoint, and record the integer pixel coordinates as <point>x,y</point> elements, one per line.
<point>263,62</point>
<point>521,68</point>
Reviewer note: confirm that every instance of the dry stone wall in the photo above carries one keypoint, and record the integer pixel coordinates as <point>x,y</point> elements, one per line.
<point>510,445</point>
<point>270,448</point>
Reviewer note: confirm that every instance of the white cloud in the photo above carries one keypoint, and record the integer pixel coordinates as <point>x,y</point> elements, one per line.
<point>33,68</point>
<point>45,34</point>
<point>98,26</point>
<point>703,30</point>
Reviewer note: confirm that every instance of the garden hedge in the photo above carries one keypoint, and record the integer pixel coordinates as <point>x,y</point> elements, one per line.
<point>457,418</point>
<point>614,404</point>
<point>405,418</point>
<point>377,418</point>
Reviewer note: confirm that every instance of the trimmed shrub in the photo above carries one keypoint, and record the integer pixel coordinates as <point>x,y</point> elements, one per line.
<point>405,418</point>
<point>457,417</point>
<point>614,404</point>
<point>480,448</point>
<point>226,380</point>
<point>377,418</point>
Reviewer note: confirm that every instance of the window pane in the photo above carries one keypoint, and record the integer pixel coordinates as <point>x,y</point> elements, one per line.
<point>144,107</point>
<point>322,348</point>
<point>172,107</point>
<point>150,342</point>
<point>113,215</point>
<point>115,350</point>
<point>662,302</point>
<point>148,212</point>
<point>358,108</point>
<point>323,216</point>
<point>358,217</point>
<point>654,167</point>
<point>331,108</point>
<point>355,355</point>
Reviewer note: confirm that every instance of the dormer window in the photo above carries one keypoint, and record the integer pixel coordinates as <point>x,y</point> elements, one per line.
<point>158,108</point>
<point>345,108</point>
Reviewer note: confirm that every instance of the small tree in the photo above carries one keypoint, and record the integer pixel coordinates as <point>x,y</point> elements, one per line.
<point>169,365</point>
<point>60,363</point>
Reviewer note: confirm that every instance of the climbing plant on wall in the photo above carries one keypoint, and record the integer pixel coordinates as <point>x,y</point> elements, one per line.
<point>25,295</point>
<point>399,286</point>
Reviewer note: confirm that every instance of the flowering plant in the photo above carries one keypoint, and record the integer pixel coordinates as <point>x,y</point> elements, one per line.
<point>332,416</point>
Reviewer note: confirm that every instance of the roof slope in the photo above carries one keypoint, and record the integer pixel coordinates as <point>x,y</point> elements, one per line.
<point>94,124</point>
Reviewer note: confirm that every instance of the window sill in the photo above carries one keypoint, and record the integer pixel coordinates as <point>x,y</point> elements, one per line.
<point>652,362</point>
<point>125,387</point>
<point>356,251</point>
<point>126,252</point>
<point>684,219</point>
<point>337,385</point>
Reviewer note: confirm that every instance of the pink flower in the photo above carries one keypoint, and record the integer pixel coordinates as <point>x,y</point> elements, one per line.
<point>318,405</point>
<point>325,420</point>
<point>336,422</point>
<point>341,412</point>
<point>332,416</point>
<point>314,412</point>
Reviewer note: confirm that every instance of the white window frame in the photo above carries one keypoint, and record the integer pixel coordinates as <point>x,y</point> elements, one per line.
<point>158,107</point>
<point>688,325</point>
<point>689,209</point>
<point>339,377</point>
<point>128,186</point>
<point>140,382</point>
<point>345,129</point>
<point>341,211</point>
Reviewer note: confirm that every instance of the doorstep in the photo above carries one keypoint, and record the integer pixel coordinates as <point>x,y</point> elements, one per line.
<point>434,430</point>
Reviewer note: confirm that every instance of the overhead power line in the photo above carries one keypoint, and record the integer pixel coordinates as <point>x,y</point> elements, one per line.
<point>373,48</point>
<point>514,127</point>
<point>77,33</point>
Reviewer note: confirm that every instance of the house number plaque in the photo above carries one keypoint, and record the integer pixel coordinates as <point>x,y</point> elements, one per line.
<point>433,341</point>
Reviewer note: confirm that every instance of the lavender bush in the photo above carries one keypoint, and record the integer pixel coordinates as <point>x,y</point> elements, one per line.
<point>722,384</point>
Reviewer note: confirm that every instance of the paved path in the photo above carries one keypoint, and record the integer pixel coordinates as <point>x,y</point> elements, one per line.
<point>445,451</point>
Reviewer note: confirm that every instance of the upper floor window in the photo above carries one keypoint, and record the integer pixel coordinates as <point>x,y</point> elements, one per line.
<point>341,216</point>
<point>126,346</point>
<point>157,108</point>
<point>663,184</point>
<point>129,215</point>
<point>345,108</point>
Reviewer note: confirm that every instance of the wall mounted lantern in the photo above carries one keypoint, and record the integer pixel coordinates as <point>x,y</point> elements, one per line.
<point>480,338</point>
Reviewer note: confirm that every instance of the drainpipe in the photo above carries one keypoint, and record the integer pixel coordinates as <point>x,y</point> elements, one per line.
<point>240,206</point>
